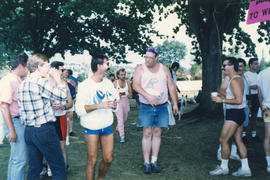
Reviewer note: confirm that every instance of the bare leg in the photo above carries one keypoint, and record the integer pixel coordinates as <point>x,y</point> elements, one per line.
<point>239,142</point>
<point>107,153</point>
<point>267,138</point>
<point>228,130</point>
<point>146,143</point>
<point>92,152</point>
<point>156,141</point>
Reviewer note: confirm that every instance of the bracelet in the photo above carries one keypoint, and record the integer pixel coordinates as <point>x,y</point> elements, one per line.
<point>224,100</point>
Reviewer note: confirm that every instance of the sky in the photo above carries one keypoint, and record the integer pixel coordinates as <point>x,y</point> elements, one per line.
<point>165,27</point>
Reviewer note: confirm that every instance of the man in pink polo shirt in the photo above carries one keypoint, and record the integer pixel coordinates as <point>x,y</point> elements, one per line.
<point>14,129</point>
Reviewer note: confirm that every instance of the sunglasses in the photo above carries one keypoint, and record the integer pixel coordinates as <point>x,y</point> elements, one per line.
<point>224,65</point>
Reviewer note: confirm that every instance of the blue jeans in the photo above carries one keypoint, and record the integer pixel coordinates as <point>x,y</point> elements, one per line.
<point>43,141</point>
<point>17,159</point>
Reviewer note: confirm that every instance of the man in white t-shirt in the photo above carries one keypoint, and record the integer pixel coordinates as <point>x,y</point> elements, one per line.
<point>95,100</point>
<point>251,77</point>
<point>264,98</point>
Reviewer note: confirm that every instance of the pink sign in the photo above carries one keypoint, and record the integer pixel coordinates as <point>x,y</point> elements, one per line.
<point>259,10</point>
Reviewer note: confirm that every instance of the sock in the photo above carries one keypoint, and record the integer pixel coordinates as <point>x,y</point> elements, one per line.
<point>153,159</point>
<point>224,163</point>
<point>267,160</point>
<point>244,163</point>
<point>244,133</point>
<point>253,134</point>
<point>233,149</point>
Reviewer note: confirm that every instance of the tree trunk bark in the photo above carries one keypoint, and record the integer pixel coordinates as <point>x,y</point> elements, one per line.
<point>211,46</point>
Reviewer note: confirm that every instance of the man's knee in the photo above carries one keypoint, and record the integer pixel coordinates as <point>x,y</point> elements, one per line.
<point>108,159</point>
<point>147,133</point>
<point>92,161</point>
<point>222,140</point>
<point>157,132</point>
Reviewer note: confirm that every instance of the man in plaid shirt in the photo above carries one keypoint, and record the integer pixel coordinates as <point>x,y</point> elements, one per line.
<point>34,97</point>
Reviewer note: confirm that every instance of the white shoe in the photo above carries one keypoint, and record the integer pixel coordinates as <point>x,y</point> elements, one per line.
<point>268,169</point>
<point>67,141</point>
<point>219,156</point>
<point>235,157</point>
<point>219,171</point>
<point>242,172</point>
<point>49,172</point>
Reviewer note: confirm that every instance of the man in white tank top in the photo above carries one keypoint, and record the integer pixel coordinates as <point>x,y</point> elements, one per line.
<point>235,116</point>
<point>152,81</point>
<point>124,89</point>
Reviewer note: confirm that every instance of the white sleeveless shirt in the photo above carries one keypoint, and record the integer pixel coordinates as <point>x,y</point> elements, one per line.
<point>122,90</point>
<point>154,84</point>
<point>230,95</point>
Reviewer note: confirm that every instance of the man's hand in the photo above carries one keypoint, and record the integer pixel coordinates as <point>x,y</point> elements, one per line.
<point>152,100</point>
<point>12,136</point>
<point>175,109</point>
<point>217,99</point>
<point>108,104</point>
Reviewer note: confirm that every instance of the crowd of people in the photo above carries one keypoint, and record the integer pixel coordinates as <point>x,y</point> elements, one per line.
<point>38,100</point>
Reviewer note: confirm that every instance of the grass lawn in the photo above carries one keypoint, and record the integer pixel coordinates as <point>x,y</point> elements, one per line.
<point>188,152</point>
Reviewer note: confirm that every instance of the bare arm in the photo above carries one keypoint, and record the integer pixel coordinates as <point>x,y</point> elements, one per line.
<point>129,89</point>
<point>237,87</point>
<point>7,119</point>
<point>223,86</point>
<point>172,89</point>
<point>260,96</point>
<point>102,105</point>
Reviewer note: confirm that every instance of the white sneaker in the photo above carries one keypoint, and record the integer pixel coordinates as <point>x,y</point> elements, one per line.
<point>219,155</point>
<point>235,157</point>
<point>242,172</point>
<point>219,171</point>
<point>268,169</point>
<point>67,141</point>
<point>49,172</point>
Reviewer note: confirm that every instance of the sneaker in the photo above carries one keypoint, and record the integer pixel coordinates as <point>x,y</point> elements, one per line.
<point>44,171</point>
<point>235,157</point>
<point>256,139</point>
<point>242,172</point>
<point>72,134</point>
<point>268,169</point>
<point>155,168</point>
<point>219,171</point>
<point>122,140</point>
<point>146,168</point>
<point>49,173</point>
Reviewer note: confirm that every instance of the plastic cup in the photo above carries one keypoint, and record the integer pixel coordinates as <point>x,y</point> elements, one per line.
<point>214,94</point>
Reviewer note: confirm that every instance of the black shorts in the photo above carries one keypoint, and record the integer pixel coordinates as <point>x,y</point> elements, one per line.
<point>255,103</point>
<point>236,115</point>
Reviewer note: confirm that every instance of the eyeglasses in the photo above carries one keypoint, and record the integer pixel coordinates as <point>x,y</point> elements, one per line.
<point>224,65</point>
<point>148,57</point>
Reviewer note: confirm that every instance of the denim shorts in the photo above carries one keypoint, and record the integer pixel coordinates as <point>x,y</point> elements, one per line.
<point>153,116</point>
<point>101,132</point>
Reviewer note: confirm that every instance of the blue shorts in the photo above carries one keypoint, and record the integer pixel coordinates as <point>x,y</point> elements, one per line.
<point>105,131</point>
<point>153,116</point>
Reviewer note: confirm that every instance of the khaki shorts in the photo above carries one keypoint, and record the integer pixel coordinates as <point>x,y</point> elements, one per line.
<point>266,113</point>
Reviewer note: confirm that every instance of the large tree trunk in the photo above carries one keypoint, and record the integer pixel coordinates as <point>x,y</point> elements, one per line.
<point>210,45</point>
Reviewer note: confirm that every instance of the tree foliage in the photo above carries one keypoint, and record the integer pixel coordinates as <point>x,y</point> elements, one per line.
<point>211,23</point>
<point>195,68</point>
<point>56,26</point>
<point>171,51</point>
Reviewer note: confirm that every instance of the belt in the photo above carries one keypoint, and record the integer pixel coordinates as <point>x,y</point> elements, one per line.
<point>156,105</point>
<point>17,117</point>
<point>39,125</point>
